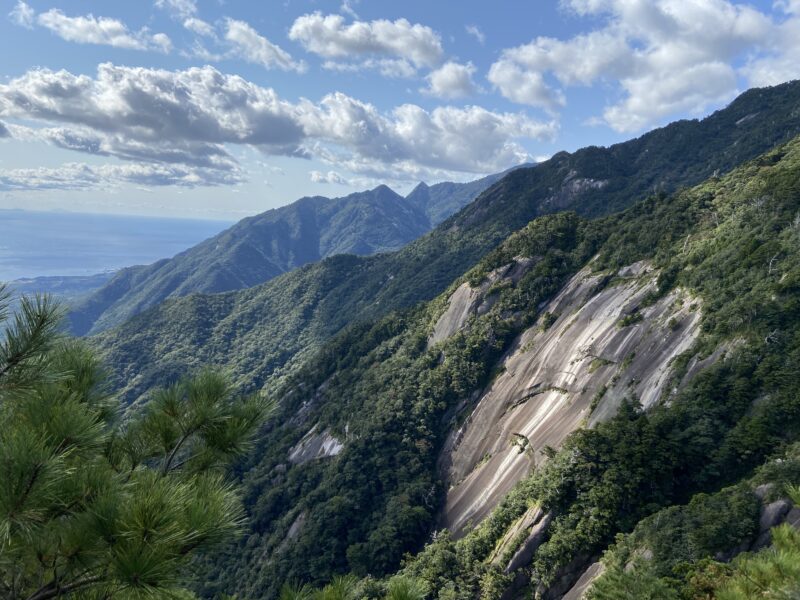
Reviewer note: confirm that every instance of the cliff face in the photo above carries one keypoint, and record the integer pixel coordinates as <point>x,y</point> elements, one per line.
<point>598,343</point>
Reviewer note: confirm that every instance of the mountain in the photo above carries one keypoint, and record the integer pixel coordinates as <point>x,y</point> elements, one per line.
<point>68,289</point>
<point>267,329</point>
<point>584,377</point>
<point>588,342</point>
<point>441,200</point>
<point>262,247</point>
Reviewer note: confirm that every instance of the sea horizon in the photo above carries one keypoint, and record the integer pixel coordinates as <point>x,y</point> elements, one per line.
<point>61,243</point>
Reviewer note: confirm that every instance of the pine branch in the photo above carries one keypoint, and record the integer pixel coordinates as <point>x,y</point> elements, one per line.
<point>53,590</point>
<point>33,331</point>
<point>171,456</point>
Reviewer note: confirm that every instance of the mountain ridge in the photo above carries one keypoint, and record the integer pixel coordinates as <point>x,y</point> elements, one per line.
<point>317,300</point>
<point>690,388</point>
<point>261,247</point>
<point>367,381</point>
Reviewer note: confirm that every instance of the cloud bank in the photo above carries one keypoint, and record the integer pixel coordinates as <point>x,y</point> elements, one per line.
<point>666,56</point>
<point>189,121</point>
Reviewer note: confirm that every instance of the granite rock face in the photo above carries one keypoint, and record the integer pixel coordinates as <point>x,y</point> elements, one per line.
<point>314,445</point>
<point>602,346</point>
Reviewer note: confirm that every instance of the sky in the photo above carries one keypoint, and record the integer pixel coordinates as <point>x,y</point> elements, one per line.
<point>218,109</point>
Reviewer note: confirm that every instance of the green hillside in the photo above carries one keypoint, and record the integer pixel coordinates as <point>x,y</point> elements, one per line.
<point>262,247</point>
<point>350,479</point>
<point>258,332</point>
<point>391,399</point>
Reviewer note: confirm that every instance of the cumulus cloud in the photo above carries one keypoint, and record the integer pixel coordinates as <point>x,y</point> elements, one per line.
<point>88,29</point>
<point>181,9</point>
<point>252,47</point>
<point>22,15</point>
<point>329,177</point>
<point>4,132</point>
<point>411,137</point>
<point>188,120</point>
<point>330,37</point>
<point>154,116</point>
<point>666,56</point>
<point>238,39</point>
<point>524,86</point>
<point>157,107</point>
<point>451,80</point>
<point>781,62</point>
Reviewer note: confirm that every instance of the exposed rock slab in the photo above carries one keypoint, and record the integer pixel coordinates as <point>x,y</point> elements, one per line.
<point>526,522</point>
<point>315,445</point>
<point>772,515</point>
<point>578,591</point>
<point>536,537</point>
<point>552,380</point>
<point>467,301</point>
<point>462,305</point>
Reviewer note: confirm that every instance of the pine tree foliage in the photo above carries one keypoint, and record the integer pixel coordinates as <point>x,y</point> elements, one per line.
<point>93,509</point>
<point>773,573</point>
<point>402,587</point>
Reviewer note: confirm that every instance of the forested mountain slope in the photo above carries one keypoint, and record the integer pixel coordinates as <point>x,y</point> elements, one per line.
<point>258,248</point>
<point>441,200</point>
<point>261,331</point>
<point>69,289</point>
<point>678,379</point>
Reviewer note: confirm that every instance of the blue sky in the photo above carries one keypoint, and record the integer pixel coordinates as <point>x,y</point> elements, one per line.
<point>223,108</point>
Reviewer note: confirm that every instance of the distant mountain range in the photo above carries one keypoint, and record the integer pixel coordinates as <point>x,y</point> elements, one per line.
<point>262,247</point>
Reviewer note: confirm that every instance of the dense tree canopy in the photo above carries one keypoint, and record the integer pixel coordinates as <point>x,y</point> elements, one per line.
<point>94,505</point>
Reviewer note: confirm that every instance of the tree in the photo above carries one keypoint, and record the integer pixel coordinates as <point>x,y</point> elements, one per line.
<point>99,504</point>
<point>772,573</point>
<point>402,587</point>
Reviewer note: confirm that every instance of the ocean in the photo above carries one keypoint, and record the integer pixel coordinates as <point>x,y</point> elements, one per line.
<point>36,244</point>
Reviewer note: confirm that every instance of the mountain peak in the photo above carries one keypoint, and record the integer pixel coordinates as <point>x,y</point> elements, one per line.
<point>384,189</point>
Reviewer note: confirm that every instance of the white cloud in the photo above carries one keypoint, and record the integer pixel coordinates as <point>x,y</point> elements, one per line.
<point>191,120</point>
<point>781,62</point>
<point>153,116</point>
<point>788,6</point>
<point>330,37</point>
<point>81,176</point>
<point>476,32</point>
<point>660,95</point>
<point>347,8</point>
<point>22,15</point>
<point>329,177</point>
<point>181,9</point>
<point>665,56</point>
<point>252,47</point>
<point>238,40</point>
<point>451,80</point>
<point>199,27</point>
<point>524,86</point>
<point>4,132</point>
<point>396,68</point>
<point>411,139</point>
<point>89,29</point>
